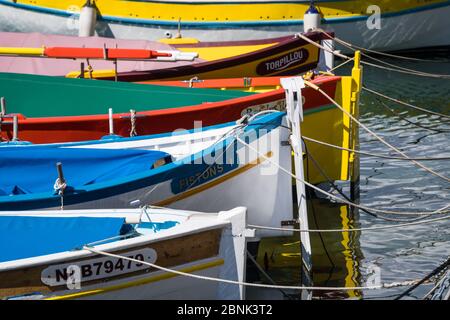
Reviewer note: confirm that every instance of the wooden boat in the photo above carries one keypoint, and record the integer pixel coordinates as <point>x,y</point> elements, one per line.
<point>23,53</point>
<point>44,256</point>
<point>204,170</point>
<point>288,55</point>
<point>243,20</point>
<point>83,115</point>
<point>86,53</point>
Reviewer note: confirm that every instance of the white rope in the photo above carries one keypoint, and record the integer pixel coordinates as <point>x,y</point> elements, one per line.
<point>436,212</point>
<point>407,71</point>
<point>353,229</point>
<point>375,155</point>
<point>313,86</point>
<point>341,65</point>
<point>355,47</point>
<point>393,66</point>
<point>133,132</point>
<point>381,286</point>
<point>59,188</point>
<point>338,54</point>
<point>335,52</point>
<point>431,127</point>
<point>405,103</point>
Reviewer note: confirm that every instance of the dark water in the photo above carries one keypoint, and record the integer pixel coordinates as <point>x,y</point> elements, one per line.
<point>409,253</point>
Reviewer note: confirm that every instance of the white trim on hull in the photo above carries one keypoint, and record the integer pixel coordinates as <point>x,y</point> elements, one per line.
<point>399,32</point>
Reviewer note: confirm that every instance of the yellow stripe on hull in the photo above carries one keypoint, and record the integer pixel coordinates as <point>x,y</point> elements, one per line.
<point>216,53</point>
<point>164,276</point>
<point>231,12</point>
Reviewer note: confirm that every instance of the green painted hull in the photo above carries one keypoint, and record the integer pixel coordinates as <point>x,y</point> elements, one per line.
<point>43,96</point>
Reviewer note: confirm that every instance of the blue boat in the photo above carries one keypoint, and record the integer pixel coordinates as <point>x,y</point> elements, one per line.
<point>105,254</point>
<point>208,170</point>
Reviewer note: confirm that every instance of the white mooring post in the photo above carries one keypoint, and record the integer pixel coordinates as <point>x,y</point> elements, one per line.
<point>88,20</point>
<point>328,56</point>
<point>311,22</point>
<point>311,18</point>
<point>15,129</point>
<point>294,106</point>
<point>2,106</point>
<point>111,121</point>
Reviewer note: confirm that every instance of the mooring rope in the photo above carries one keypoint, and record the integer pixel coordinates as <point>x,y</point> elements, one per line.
<point>392,67</point>
<point>441,115</point>
<point>264,273</point>
<point>439,289</point>
<point>355,48</point>
<point>394,226</point>
<point>133,131</point>
<point>341,65</point>
<point>248,284</point>
<point>407,71</point>
<point>333,185</point>
<point>429,170</point>
<point>437,270</point>
<point>338,54</point>
<point>375,155</point>
<point>403,118</point>
<point>436,212</point>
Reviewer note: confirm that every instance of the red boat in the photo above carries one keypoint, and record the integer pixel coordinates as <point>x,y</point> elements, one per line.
<point>62,110</point>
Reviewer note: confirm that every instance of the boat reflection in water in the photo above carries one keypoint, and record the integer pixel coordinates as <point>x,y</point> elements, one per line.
<point>336,255</point>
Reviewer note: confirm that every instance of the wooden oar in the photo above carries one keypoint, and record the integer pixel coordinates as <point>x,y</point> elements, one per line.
<point>85,53</point>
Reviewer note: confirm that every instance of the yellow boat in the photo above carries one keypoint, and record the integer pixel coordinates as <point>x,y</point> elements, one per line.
<point>336,257</point>
<point>237,20</point>
<point>290,55</point>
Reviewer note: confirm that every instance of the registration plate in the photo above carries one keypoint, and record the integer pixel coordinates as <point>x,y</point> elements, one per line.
<point>100,268</point>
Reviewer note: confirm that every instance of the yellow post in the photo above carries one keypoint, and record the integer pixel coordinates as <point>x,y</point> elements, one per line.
<point>354,128</point>
<point>22,51</point>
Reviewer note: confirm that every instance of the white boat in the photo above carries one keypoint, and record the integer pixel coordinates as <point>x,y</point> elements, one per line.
<point>59,255</point>
<point>403,24</point>
<point>204,170</point>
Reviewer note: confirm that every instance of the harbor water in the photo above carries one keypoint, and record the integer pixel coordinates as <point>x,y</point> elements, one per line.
<point>392,255</point>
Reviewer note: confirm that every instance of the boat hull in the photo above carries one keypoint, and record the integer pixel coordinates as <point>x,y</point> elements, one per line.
<point>400,29</point>
<point>322,120</point>
<point>41,122</point>
<point>203,245</point>
<point>214,179</point>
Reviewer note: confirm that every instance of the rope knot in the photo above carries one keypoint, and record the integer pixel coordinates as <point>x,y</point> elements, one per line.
<point>59,187</point>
